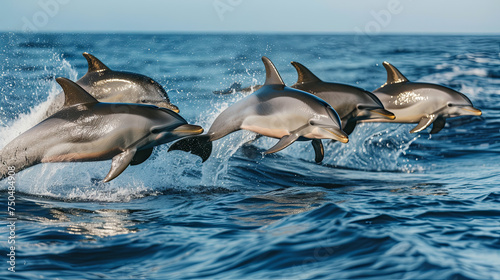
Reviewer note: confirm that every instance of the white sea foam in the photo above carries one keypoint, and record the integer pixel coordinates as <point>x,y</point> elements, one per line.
<point>454,72</point>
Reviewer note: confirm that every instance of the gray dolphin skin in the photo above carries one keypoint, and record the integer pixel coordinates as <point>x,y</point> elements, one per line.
<point>352,103</point>
<point>88,130</point>
<point>276,111</point>
<point>421,103</point>
<point>107,85</point>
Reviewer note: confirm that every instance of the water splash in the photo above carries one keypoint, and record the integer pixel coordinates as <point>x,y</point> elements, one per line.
<point>24,121</point>
<point>375,147</point>
<point>216,168</point>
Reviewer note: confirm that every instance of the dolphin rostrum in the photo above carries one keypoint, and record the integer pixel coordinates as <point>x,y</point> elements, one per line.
<point>276,111</point>
<point>88,130</point>
<point>421,103</point>
<point>107,85</point>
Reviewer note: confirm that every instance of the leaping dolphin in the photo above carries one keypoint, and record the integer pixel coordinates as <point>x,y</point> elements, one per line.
<point>88,130</point>
<point>421,103</point>
<point>276,111</point>
<point>352,103</point>
<point>107,85</point>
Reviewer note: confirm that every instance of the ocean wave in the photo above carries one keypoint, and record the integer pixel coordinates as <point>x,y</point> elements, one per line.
<point>389,204</point>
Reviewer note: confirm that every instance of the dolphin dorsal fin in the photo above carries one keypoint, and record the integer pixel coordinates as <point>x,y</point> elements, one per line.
<point>393,75</point>
<point>95,65</point>
<point>272,75</point>
<point>74,94</point>
<point>305,75</point>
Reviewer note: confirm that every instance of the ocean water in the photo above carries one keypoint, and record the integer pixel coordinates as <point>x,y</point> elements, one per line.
<point>387,205</point>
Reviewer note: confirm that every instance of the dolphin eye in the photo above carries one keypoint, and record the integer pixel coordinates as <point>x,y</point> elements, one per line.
<point>143,100</point>
<point>314,122</point>
<point>449,104</point>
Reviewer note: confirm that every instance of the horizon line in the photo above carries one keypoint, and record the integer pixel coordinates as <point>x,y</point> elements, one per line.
<point>201,32</point>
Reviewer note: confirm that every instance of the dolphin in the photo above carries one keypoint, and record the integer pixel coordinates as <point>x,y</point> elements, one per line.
<point>421,103</point>
<point>88,130</point>
<point>276,111</point>
<point>107,85</point>
<point>352,103</point>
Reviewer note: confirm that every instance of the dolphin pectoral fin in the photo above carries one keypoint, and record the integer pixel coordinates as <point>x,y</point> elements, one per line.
<point>141,156</point>
<point>199,145</point>
<point>438,125</point>
<point>319,150</point>
<point>284,142</point>
<point>424,123</point>
<point>349,127</point>
<point>119,164</point>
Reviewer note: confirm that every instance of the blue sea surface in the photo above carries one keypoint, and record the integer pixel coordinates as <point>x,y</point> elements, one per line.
<point>387,205</point>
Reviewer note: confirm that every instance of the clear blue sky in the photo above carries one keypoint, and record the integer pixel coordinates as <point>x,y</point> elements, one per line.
<point>369,16</point>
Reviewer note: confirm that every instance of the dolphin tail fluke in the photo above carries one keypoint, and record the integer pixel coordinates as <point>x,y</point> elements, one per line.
<point>424,123</point>
<point>199,145</point>
<point>319,150</point>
